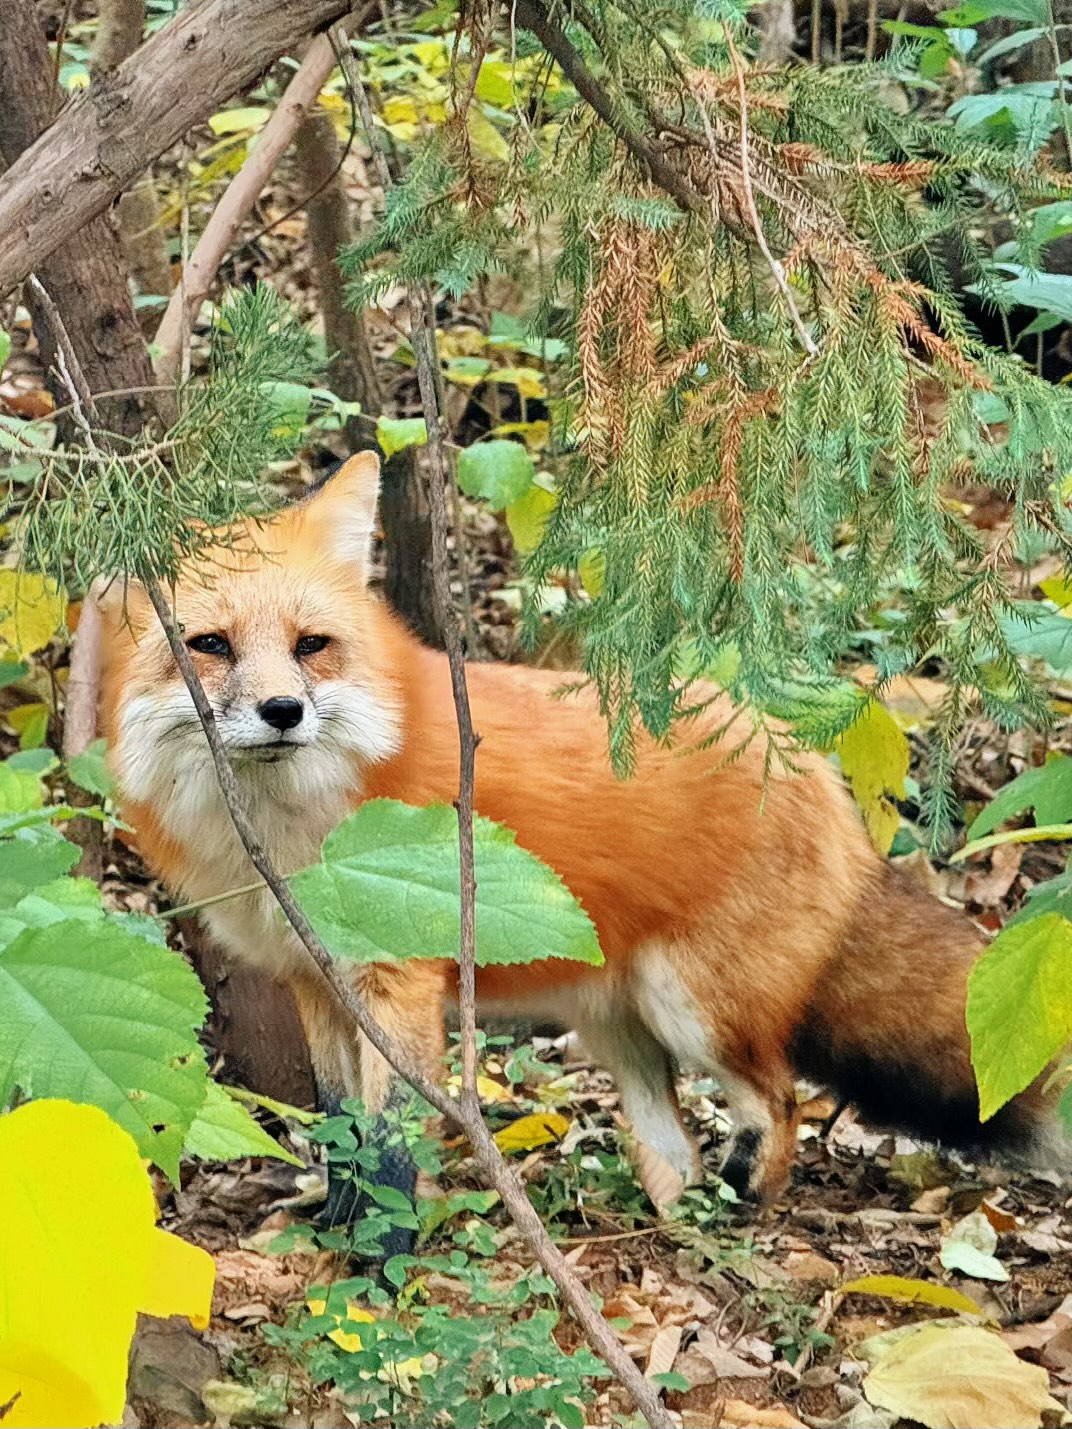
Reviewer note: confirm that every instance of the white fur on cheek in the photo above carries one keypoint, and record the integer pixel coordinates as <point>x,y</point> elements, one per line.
<point>358,718</point>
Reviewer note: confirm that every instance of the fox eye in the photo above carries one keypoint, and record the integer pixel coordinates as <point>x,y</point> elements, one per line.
<point>311,645</point>
<point>209,645</point>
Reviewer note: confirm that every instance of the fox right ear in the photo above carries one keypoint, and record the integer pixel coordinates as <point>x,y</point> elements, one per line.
<point>344,510</point>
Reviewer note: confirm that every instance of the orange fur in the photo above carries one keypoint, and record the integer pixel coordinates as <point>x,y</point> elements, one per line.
<point>749,929</point>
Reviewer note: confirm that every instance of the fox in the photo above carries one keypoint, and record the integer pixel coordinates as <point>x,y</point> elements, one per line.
<point>750,929</point>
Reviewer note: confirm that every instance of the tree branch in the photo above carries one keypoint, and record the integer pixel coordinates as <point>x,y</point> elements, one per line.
<point>531,15</point>
<point>241,194</point>
<point>114,129</point>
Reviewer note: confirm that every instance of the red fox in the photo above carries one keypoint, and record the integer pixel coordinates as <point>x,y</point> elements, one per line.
<point>750,931</point>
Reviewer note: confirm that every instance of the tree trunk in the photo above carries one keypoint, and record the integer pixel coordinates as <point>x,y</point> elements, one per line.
<point>404,514</point>
<point>112,131</point>
<point>86,277</point>
<point>119,32</point>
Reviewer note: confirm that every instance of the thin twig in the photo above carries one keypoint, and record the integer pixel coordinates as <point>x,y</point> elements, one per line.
<point>777,271</point>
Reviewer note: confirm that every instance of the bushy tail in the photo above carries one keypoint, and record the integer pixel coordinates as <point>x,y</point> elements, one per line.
<point>886,1032</point>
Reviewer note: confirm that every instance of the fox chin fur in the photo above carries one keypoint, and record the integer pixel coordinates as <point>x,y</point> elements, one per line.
<point>750,929</point>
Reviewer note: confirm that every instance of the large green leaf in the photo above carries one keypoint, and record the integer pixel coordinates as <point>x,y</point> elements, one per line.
<point>387,887</point>
<point>1047,292</point>
<point>93,1013</point>
<point>500,471</point>
<point>32,858</point>
<point>224,1130</point>
<point>1047,790</point>
<point>1019,1007</point>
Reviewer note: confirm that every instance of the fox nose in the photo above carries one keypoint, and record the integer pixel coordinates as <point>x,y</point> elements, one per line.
<point>282,712</point>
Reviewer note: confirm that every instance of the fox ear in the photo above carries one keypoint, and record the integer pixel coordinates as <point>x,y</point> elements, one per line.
<point>345,510</point>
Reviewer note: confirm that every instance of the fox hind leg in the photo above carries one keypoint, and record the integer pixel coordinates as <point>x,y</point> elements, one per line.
<point>757,1083</point>
<point>666,1156</point>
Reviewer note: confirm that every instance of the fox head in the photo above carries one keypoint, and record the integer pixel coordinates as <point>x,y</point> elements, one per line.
<point>285,639</point>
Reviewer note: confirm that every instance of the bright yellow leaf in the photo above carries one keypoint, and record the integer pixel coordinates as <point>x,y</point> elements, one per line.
<point>912,1292</point>
<point>527,517</point>
<point>540,1129</point>
<point>1059,591</point>
<point>349,1341</point>
<point>592,569</point>
<point>487,1089</point>
<point>81,1255</point>
<point>32,609</point>
<point>535,435</point>
<point>495,84</point>
<point>30,723</point>
<point>874,757</point>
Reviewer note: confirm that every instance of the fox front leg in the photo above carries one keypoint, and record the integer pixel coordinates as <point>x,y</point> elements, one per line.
<point>407,1001</point>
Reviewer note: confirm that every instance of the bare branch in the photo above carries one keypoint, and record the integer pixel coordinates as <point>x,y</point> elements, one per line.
<point>238,200</point>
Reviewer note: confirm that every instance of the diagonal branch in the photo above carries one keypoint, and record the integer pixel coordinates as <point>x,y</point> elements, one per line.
<point>532,15</point>
<point>235,205</point>
<point>116,128</point>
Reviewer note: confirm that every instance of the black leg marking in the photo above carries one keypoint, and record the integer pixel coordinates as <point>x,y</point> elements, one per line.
<point>390,1166</point>
<point>741,1161</point>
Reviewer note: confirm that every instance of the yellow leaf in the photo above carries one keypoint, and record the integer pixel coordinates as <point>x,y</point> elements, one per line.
<point>592,569</point>
<point>529,381</point>
<point>485,137</point>
<point>959,1377</point>
<point>535,435</point>
<point>30,723</point>
<point>540,1129</point>
<point>399,109</point>
<point>874,757</point>
<point>238,121</point>
<point>81,1256</point>
<point>495,84</point>
<point>488,1090</point>
<point>32,609</point>
<point>914,1292</point>
<point>1058,590</point>
<point>527,516</point>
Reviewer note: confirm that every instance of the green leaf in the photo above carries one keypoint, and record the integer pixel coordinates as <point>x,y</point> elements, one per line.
<point>1029,116</point>
<point>32,858</point>
<point>5,347</point>
<point>1048,292</point>
<point>1008,43</point>
<point>288,406</point>
<point>387,887</point>
<point>1047,637</point>
<point>34,761</point>
<point>1019,1007</point>
<point>1032,12</point>
<point>94,1014</point>
<point>223,1130</point>
<point>90,772</point>
<point>1053,896</point>
<point>671,1380</point>
<point>500,471</point>
<point>396,433</point>
<point>1046,790</point>
<point>20,790</point>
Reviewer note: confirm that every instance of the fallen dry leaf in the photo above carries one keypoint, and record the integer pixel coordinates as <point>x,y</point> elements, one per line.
<point>663,1351</point>
<point>960,1377</point>
<point>737,1414</point>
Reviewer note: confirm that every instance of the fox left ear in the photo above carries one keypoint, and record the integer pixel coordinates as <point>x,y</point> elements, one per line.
<point>346,504</point>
